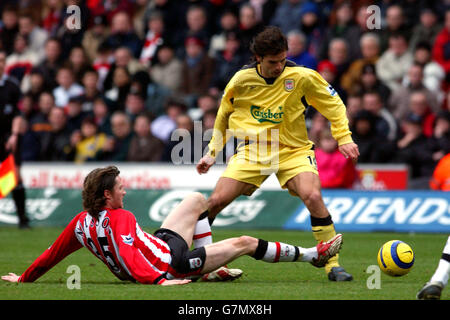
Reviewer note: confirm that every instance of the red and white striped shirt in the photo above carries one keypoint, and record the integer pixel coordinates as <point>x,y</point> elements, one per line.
<point>152,41</point>
<point>117,240</point>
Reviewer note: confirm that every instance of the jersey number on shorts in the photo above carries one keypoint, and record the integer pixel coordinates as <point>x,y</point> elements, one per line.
<point>312,161</point>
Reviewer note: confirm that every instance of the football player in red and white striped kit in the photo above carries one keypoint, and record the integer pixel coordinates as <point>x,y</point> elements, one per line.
<point>113,235</point>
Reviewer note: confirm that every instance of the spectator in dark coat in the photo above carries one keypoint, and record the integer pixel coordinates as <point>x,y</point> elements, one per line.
<point>249,25</point>
<point>101,116</point>
<point>198,68</point>
<point>30,144</point>
<point>342,25</point>
<point>196,26</point>
<point>181,147</point>
<point>52,62</point>
<point>56,144</point>
<point>144,146</point>
<point>440,140</point>
<point>116,147</point>
<point>39,121</point>
<point>287,15</point>
<point>414,150</point>
<point>228,61</point>
<point>75,113</point>
<point>122,34</point>
<point>372,147</point>
<point>9,29</point>
<point>370,82</point>
<point>386,124</point>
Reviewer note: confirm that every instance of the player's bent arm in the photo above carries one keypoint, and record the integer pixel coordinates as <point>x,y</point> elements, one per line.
<point>325,99</point>
<point>345,140</point>
<point>64,245</point>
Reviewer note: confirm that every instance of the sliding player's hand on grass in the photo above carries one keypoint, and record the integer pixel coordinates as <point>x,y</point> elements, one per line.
<point>11,277</point>
<point>175,282</point>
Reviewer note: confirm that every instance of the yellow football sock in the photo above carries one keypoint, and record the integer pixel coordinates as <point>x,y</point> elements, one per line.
<point>325,233</point>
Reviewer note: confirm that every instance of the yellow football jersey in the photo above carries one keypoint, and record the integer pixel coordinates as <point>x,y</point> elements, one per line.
<point>253,106</point>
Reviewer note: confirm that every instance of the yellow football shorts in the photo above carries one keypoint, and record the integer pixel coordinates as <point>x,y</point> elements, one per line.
<point>253,163</point>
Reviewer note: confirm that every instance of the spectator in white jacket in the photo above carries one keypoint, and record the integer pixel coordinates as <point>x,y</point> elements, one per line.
<point>67,88</point>
<point>399,101</point>
<point>433,73</point>
<point>168,70</point>
<point>394,63</point>
<point>37,36</point>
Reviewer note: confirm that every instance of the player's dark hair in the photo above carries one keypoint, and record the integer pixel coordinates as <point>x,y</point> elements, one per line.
<point>270,41</point>
<point>94,186</point>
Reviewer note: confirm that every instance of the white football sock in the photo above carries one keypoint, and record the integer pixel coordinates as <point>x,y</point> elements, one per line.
<point>443,270</point>
<point>308,254</point>
<point>280,252</point>
<point>202,233</point>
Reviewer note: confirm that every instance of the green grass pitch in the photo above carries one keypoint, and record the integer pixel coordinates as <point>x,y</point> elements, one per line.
<point>261,281</point>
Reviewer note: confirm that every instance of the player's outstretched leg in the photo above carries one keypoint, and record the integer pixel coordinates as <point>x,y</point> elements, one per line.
<point>281,252</point>
<point>225,251</point>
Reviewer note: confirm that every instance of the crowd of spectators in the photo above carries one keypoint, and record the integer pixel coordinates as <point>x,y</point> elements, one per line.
<point>136,70</point>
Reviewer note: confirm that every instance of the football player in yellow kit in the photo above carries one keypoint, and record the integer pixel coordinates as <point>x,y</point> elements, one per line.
<point>263,106</point>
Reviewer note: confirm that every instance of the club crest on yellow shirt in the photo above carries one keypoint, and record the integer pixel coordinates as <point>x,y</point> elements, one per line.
<point>289,84</point>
